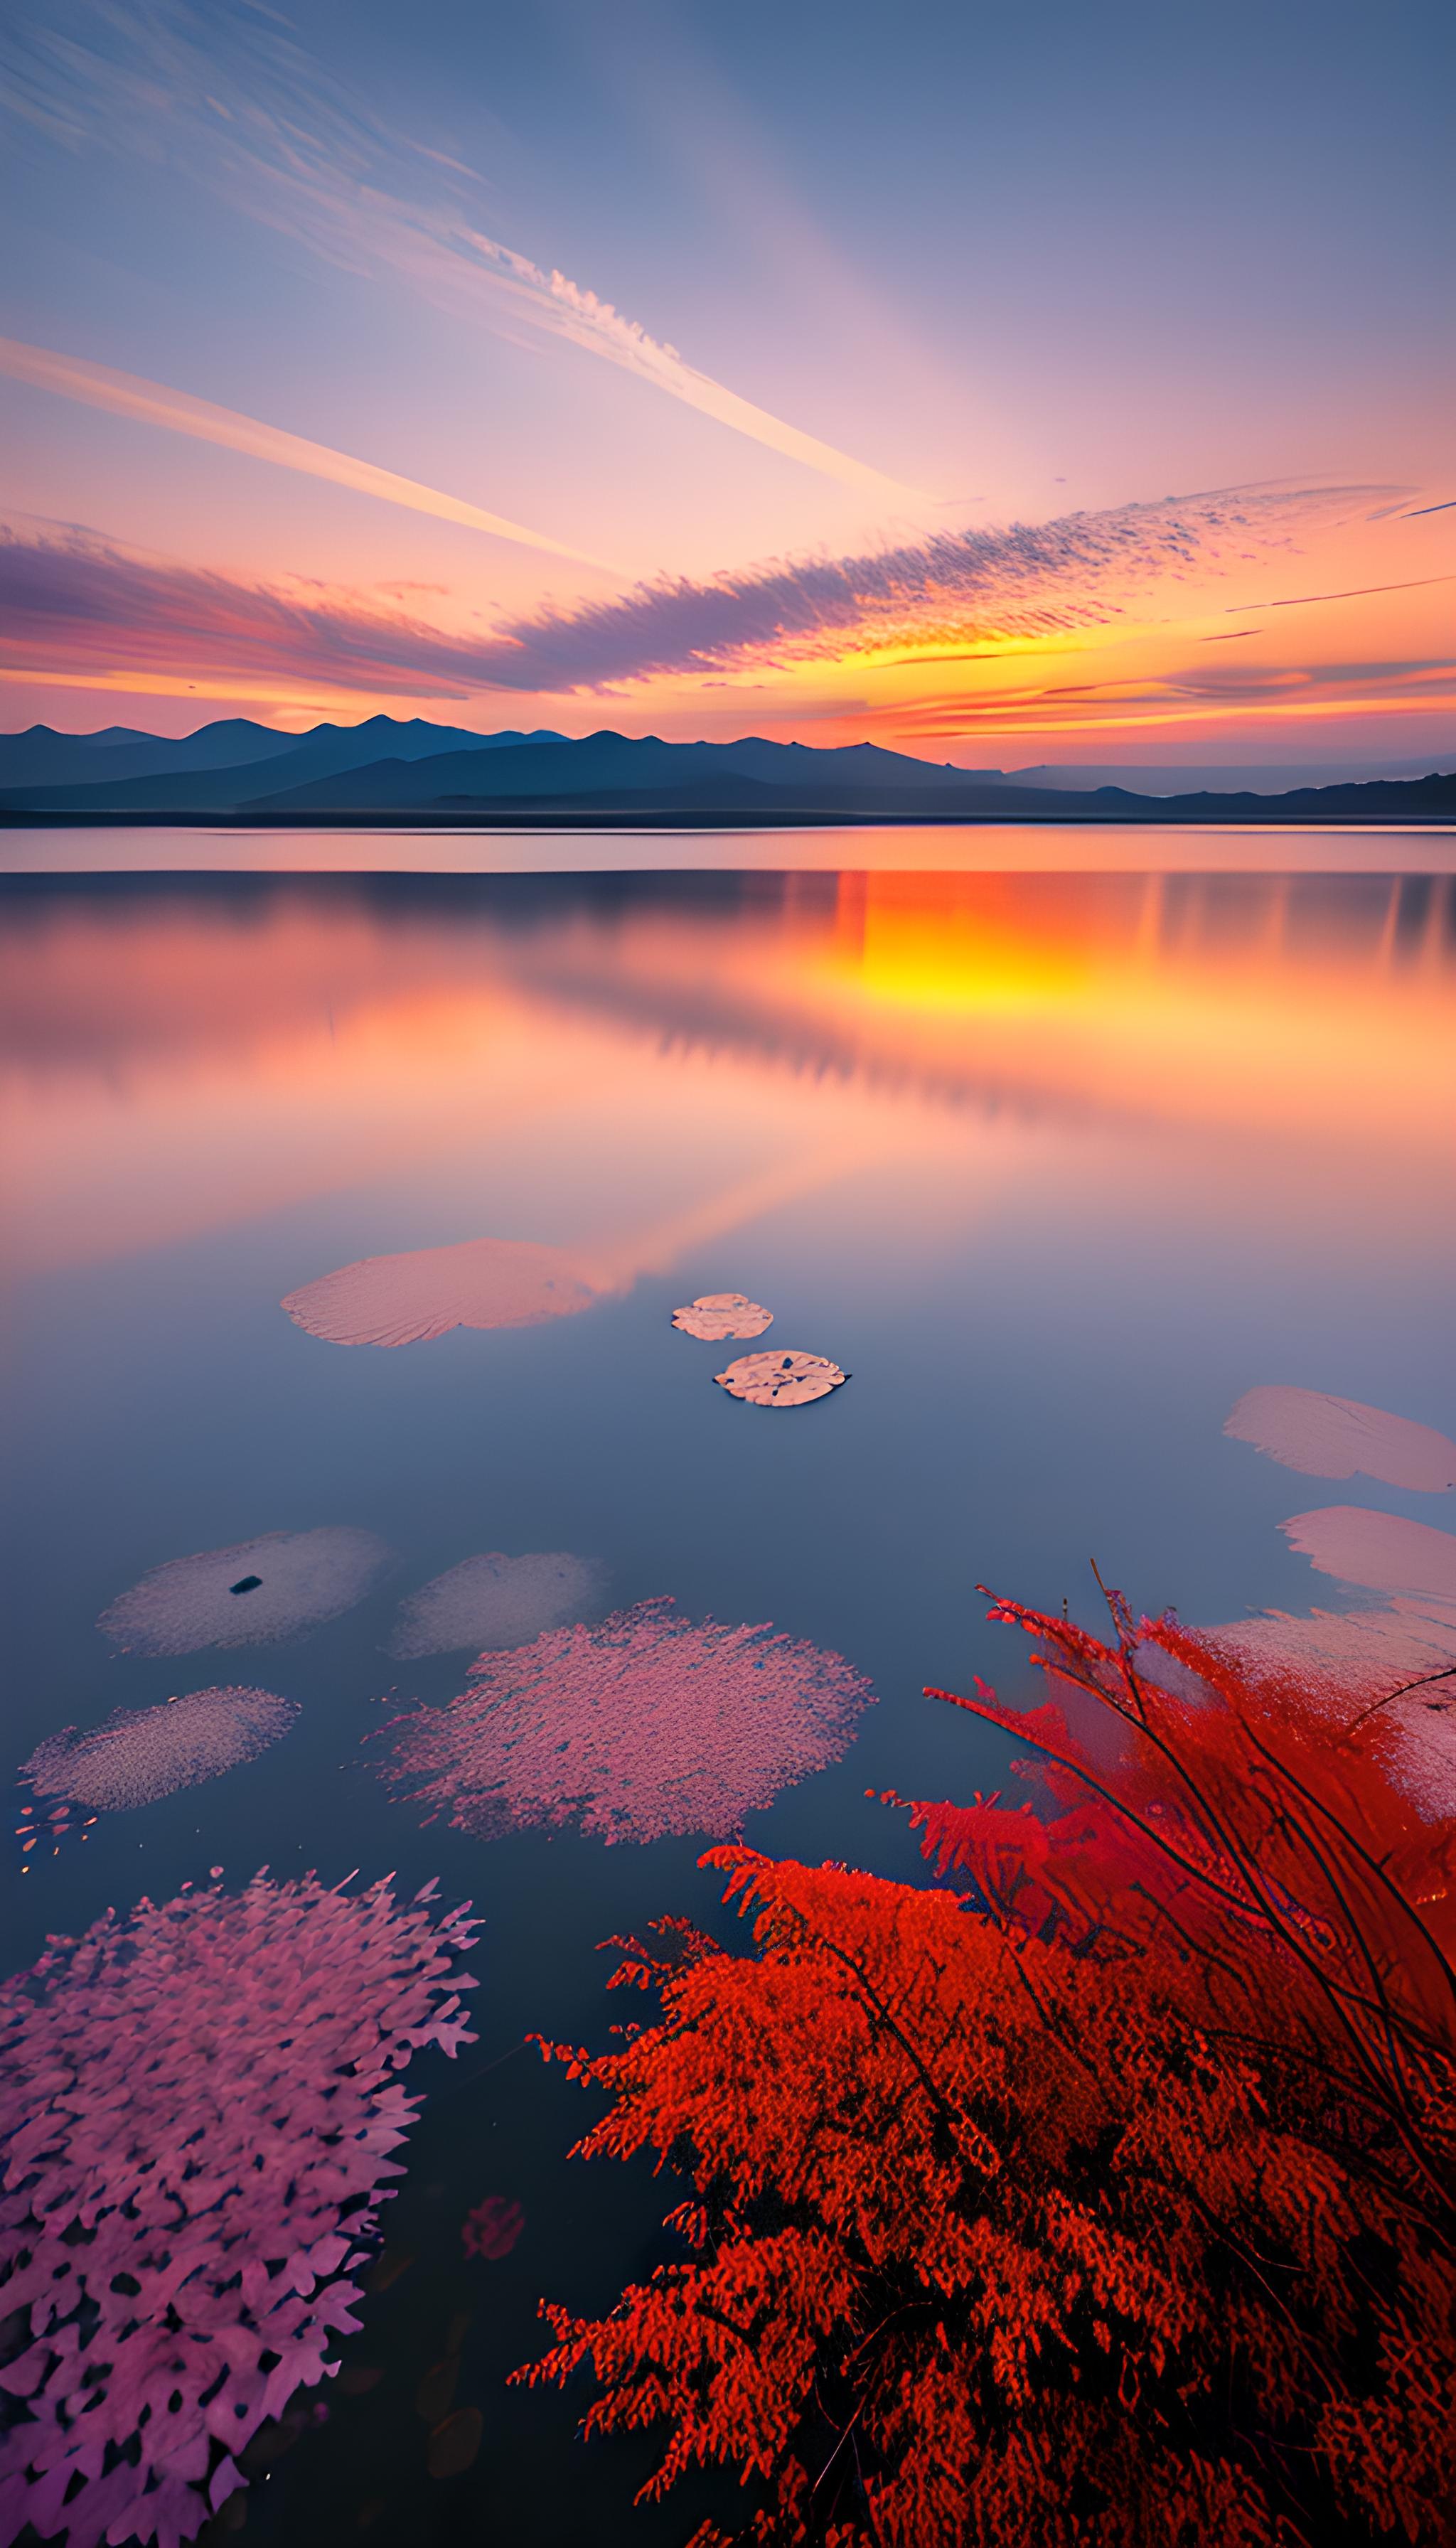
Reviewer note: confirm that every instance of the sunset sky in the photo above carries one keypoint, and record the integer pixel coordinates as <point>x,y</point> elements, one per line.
<point>1003,386</point>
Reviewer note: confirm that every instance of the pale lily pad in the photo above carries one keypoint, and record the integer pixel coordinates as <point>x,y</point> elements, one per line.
<point>1378,1549</point>
<point>139,1754</point>
<point>1339,1437</point>
<point>714,1316</point>
<point>781,1378</point>
<point>410,1299</point>
<point>497,1600</point>
<point>252,1593</point>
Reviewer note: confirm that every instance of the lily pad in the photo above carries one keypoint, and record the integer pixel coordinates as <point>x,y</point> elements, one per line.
<point>714,1316</point>
<point>497,1600</point>
<point>1341,1437</point>
<point>424,1293</point>
<point>781,1378</point>
<point>1378,1549</point>
<point>296,1581</point>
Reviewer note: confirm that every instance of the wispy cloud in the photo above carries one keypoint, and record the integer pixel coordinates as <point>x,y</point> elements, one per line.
<point>1200,695</point>
<point>952,589</point>
<point>149,401</point>
<point>74,599</point>
<point>1352,592</point>
<point>232,97</point>
<point>73,604</point>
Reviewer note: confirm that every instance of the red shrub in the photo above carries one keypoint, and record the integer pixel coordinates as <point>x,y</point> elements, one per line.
<point>1110,2202</point>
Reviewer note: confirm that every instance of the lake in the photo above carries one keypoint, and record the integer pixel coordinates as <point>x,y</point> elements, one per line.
<point>1054,1142</point>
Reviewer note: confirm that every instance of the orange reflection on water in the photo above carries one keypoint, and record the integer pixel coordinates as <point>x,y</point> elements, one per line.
<point>1287,1004</point>
<point>631,1062</point>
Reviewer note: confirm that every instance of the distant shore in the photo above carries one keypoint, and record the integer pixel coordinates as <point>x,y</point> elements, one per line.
<point>1167,815</point>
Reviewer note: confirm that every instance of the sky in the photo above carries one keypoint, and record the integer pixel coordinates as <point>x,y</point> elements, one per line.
<point>1004,387</point>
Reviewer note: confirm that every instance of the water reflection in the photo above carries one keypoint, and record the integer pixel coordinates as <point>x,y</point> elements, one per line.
<point>1060,1167</point>
<point>180,1057</point>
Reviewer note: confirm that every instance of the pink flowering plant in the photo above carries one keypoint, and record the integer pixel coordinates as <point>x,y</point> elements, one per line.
<point>644,1725</point>
<point>199,2103</point>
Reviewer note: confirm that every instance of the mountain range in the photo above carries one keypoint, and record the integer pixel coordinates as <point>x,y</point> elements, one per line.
<point>386,768</point>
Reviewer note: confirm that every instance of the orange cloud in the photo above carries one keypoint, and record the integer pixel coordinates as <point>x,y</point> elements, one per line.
<point>77,600</point>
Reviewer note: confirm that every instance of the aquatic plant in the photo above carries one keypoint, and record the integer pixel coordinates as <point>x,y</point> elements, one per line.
<point>643,1725</point>
<point>716,1314</point>
<point>250,1594</point>
<point>1108,2200</point>
<point>199,2103</point>
<point>1335,1438</point>
<point>496,1600</point>
<point>424,1293</point>
<point>781,1378</point>
<point>1382,1551</point>
<point>493,2228</point>
<point>137,1754</point>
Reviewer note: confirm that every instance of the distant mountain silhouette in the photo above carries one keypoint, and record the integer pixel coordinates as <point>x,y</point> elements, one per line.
<point>215,770</point>
<point>1432,799</point>
<point>41,758</point>
<point>386,768</point>
<point>613,774</point>
<point>1190,779</point>
<point>613,764</point>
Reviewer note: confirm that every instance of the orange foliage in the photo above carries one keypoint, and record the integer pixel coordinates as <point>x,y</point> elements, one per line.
<point>1109,2202</point>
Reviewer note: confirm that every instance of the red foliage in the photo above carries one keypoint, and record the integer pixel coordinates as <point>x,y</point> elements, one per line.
<point>493,2228</point>
<point>1111,2202</point>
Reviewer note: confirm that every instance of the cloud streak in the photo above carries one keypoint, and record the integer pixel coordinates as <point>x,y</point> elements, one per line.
<point>1200,695</point>
<point>74,604</point>
<point>74,600</point>
<point>242,108</point>
<point>952,588</point>
<point>149,403</point>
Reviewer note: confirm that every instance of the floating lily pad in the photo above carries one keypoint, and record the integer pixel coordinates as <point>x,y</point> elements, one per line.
<point>1340,1437</point>
<point>716,1314</point>
<point>1378,1549</point>
<point>781,1378</point>
<point>139,1754</point>
<point>298,1579</point>
<point>410,1299</point>
<point>497,1600</point>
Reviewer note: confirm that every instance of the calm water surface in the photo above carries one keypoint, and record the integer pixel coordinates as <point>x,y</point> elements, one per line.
<point>1055,1165</point>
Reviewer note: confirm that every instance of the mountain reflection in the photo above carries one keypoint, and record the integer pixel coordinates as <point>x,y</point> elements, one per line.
<point>197,1051</point>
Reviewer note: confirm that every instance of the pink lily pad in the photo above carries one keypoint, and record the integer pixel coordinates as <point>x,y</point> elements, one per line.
<point>781,1378</point>
<point>714,1316</point>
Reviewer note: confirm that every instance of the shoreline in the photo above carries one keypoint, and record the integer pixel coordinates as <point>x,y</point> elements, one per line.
<point>1160,813</point>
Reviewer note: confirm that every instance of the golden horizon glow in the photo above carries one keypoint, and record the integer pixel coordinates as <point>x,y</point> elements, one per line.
<point>194,1075</point>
